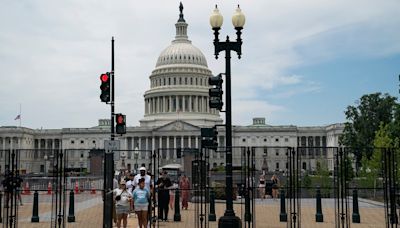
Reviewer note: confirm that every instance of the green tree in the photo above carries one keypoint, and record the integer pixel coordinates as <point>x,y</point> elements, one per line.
<point>363,122</point>
<point>372,166</point>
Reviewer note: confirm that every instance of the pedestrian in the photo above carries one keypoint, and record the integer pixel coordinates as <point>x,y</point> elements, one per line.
<point>172,190</point>
<point>275,186</point>
<point>184,187</point>
<point>130,186</point>
<point>261,185</point>
<point>163,184</point>
<point>141,197</point>
<point>122,203</point>
<point>147,179</point>
<point>148,184</point>
<point>115,185</point>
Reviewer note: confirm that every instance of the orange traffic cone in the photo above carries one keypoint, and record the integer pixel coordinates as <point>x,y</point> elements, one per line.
<point>27,191</point>
<point>93,190</point>
<point>76,187</point>
<point>49,189</point>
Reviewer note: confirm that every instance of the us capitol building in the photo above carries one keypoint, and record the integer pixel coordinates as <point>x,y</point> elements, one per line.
<point>176,107</point>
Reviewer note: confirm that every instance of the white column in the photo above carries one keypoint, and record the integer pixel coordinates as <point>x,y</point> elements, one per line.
<point>183,103</point>
<point>147,143</point>
<point>174,147</point>
<point>145,106</point>
<point>165,104</point>
<point>182,142</point>
<point>139,143</point>
<point>153,143</point>
<point>197,141</point>
<point>190,103</point>
<point>168,148</point>
<point>170,104</point>
<point>190,141</point>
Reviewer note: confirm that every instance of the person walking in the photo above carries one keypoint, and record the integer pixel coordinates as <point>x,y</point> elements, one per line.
<point>184,186</point>
<point>147,179</point>
<point>141,197</point>
<point>172,191</point>
<point>148,183</point>
<point>275,186</point>
<point>130,186</point>
<point>261,186</point>
<point>163,184</point>
<point>122,203</point>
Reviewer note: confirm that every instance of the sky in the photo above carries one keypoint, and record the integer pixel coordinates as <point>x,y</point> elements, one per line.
<point>303,62</point>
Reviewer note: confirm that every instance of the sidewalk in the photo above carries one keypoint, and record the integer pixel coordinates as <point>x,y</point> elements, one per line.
<point>89,214</point>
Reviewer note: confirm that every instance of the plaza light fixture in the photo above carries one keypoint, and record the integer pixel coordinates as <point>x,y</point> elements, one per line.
<point>238,20</point>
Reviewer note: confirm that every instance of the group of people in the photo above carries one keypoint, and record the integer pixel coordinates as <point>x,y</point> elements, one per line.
<point>132,194</point>
<point>273,186</point>
<point>135,192</point>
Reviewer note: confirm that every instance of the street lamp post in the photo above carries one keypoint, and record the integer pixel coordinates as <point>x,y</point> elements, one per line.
<point>136,158</point>
<point>238,19</point>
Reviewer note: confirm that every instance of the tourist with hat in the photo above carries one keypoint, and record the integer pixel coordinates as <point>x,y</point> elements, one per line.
<point>122,199</point>
<point>147,179</point>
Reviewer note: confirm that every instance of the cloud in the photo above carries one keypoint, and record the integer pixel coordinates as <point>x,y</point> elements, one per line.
<point>52,53</point>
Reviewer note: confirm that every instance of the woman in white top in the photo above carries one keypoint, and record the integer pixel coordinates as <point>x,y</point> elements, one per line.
<point>172,195</point>
<point>122,203</point>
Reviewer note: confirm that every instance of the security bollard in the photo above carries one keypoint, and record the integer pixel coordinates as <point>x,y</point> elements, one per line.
<point>177,214</point>
<point>283,214</point>
<point>35,210</point>
<point>356,214</point>
<point>319,217</point>
<point>211,216</point>
<point>71,211</point>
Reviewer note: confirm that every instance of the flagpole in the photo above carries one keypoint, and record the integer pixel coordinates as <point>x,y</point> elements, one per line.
<point>20,117</point>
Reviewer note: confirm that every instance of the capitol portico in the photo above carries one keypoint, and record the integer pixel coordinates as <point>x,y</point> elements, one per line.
<point>176,108</point>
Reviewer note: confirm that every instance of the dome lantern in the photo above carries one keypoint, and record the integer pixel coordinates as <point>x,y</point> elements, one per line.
<point>181,27</point>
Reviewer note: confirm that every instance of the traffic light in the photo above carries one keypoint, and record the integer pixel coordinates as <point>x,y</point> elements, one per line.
<point>216,92</point>
<point>209,138</point>
<point>105,87</point>
<point>121,123</point>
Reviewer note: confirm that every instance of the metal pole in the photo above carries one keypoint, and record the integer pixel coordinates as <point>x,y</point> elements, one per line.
<point>112,88</point>
<point>228,116</point>
<point>108,176</point>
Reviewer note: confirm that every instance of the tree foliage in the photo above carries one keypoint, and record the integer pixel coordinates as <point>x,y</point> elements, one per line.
<point>364,119</point>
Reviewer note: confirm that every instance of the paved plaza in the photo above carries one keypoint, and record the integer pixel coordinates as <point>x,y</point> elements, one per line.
<point>88,212</point>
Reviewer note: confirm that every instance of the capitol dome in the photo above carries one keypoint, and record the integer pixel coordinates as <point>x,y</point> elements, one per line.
<point>181,53</point>
<point>179,85</point>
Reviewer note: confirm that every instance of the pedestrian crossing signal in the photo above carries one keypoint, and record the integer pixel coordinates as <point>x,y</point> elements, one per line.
<point>121,123</point>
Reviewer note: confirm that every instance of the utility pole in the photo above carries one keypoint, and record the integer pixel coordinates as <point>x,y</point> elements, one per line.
<point>109,156</point>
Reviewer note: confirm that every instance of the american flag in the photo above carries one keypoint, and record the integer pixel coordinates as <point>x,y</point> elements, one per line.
<point>18,117</point>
